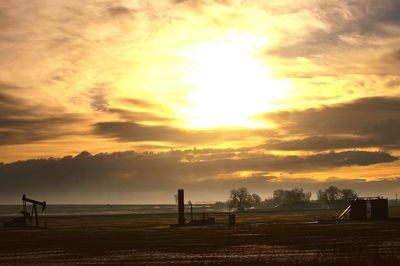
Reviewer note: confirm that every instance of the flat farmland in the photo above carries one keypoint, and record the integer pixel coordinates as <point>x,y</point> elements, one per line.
<point>260,238</point>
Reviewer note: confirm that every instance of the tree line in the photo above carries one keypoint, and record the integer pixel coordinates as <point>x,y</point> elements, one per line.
<point>241,199</point>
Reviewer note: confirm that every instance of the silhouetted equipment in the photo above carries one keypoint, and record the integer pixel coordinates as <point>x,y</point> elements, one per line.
<point>191,210</point>
<point>204,219</point>
<point>30,218</point>
<point>232,219</point>
<point>360,207</point>
<point>379,209</point>
<point>181,207</point>
<point>181,213</point>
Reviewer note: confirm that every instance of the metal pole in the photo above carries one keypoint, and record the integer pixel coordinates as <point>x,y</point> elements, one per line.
<point>181,207</point>
<point>191,211</point>
<point>36,215</point>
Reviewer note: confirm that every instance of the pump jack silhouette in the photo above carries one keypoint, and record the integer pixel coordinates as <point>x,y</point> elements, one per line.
<point>30,218</point>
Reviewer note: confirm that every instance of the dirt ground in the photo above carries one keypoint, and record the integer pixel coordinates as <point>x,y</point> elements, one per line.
<point>260,238</point>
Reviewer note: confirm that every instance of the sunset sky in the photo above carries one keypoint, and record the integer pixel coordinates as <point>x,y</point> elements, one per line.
<point>126,101</point>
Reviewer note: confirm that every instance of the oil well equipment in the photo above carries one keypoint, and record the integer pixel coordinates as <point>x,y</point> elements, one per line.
<point>364,208</point>
<point>181,213</point>
<point>30,217</point>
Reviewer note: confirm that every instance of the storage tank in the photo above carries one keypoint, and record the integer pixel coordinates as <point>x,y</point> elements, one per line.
<point>379,209</point>
<point>358,209</point>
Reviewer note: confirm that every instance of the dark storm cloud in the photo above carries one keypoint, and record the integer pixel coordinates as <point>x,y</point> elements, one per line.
<point>23,131</point>
<point>124,173</point>
<point>146,113</point>
<point>320,143</point>
<point>135,102</point>
<point>373,122</point>
<point>291,163</point>
<point>392,56</point>
<point>138,116</point>
<point>119,10</point>
<point>361,17</point>
<point>98,98</point>
<point>129,131</point>
<point>387,131</point>
<point>8,87</point>
<point>22,122</point>
<point>132,132</point>
<point>396,54</point>
<point>9,103</point>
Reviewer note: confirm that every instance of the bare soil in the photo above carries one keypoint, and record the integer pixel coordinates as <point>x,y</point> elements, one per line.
<point>260,238</point>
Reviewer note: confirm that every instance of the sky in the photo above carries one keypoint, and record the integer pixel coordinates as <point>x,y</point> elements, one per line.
<point>126,101</point>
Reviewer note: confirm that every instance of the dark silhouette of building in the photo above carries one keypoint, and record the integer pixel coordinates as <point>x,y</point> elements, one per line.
<point>363,208</point>
<point>358,209</point>
<point>379,209</point>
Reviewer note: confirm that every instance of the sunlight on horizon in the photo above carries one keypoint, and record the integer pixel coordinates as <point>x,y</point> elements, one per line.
<point>227,83</point>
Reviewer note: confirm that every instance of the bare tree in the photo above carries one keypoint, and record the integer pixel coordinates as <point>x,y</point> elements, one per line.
<point>240,199</point>
<point>329,195</point>
<point>255,200</point>
<point>348,194</point>
<point>333,194</point>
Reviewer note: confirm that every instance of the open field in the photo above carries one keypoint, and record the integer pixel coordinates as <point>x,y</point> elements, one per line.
<point>272,238</point>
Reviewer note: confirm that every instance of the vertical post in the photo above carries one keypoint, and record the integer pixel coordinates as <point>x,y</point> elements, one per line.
<point>191,211</point>
<point>36,215</point>
<point>24,203</point>
<point>181,207</point>
<point>232,219</point>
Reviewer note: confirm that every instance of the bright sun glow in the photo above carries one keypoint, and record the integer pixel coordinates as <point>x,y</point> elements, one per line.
<point>228,84</point>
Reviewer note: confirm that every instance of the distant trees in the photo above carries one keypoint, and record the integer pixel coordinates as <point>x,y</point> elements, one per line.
<point>348,194</point>
<point>335,196</point>
<point>220,204</point>
<point>256,200</point>
<point>241,199</point>
<point>329,194</point>
<point>295,196</point>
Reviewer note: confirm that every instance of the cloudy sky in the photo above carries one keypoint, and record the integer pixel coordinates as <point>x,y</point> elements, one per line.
<point>125,101</point>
